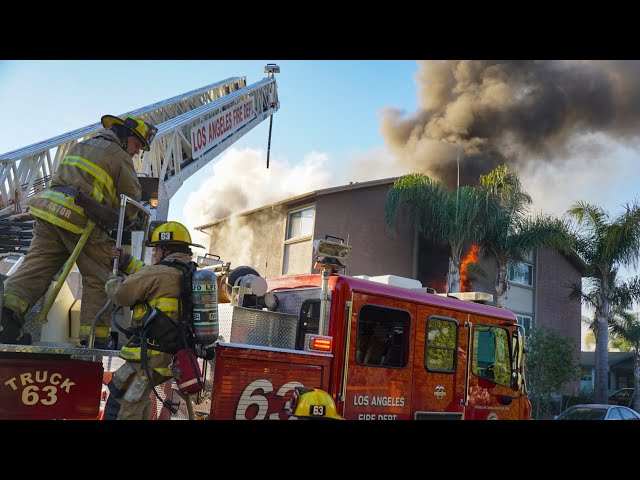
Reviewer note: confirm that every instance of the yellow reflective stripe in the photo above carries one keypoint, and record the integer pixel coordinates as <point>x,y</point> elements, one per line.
<point>139,310</point>
<point>36,212</point>
<point>11,300</point>
<point>102,333</point>
<point>166,304</point>
<point>130,353</point>
<point>165,372</point>
<point>133,266</point>
<point>97,191</point>
<point>62,199</point>
<point>133,353</point>
<point>91,168</point>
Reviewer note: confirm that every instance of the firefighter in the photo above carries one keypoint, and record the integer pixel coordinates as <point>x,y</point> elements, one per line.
<point>100,168</point>
<point>151,286</point>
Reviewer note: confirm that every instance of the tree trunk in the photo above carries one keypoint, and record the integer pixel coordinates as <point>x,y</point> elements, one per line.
<point>636,381</point>
<point>601,379</point>
<point>502,282</point>
<point>453,277</point>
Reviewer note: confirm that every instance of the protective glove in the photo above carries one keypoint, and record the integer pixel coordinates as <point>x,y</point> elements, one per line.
<point>112,283</point>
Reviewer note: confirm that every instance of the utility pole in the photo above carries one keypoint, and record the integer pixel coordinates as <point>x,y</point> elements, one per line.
<point>457,184</point>
<point>457,201</point>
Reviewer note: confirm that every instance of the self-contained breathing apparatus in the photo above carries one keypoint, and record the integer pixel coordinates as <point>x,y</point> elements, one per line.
<point>193,337</point>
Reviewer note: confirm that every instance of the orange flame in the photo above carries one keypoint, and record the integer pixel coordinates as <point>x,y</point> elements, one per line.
<point>472,257</point>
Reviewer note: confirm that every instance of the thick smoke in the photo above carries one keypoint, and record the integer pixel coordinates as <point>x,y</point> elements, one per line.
<point>239,182</point>
<point>523,113</point>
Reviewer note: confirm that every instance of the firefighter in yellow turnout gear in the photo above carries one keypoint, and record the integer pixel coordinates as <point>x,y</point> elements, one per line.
<point>101,168</point>
<point>157,286</point>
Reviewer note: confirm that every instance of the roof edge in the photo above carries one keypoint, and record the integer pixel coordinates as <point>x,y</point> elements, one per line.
<point>304,196</point>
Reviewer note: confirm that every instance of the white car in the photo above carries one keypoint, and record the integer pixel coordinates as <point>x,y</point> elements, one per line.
<point>598,411</point>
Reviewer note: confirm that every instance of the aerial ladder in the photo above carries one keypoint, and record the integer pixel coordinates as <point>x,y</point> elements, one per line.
<point>193,128</point>
<point>162,170</point>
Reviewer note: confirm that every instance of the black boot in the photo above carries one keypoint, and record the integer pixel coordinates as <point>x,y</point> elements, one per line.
<point>11,329</point>
<point>107,344</point>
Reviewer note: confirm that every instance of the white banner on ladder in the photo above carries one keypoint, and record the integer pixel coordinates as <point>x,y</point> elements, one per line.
<point>211,132</point>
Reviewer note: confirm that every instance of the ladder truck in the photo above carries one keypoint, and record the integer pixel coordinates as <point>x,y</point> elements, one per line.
<point>193,128</point>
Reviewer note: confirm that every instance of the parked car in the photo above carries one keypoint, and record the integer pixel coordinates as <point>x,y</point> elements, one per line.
<point>598,411</point>
<point>622,397</point>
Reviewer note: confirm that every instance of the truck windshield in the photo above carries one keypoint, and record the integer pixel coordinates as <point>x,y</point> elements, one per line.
<point>491,359</point>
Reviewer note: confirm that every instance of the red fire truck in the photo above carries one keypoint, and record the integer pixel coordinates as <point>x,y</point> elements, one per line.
<point>382,349</point>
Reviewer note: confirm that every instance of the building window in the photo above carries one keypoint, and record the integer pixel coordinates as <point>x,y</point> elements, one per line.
<point>298,244</point>
<point>300,223</point>
<point>527,322</point>
<point>442,345</point>
<point>586,378</point>
<point>521,273</point>
<point>383,337</point>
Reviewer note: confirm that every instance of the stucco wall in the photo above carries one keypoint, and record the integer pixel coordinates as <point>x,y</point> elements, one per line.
<point>358,216</point>
<point>253,240</point>
<point>553,307</point>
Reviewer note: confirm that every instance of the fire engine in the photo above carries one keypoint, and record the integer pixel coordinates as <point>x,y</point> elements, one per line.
<point>382,348</point>
<point>325,345</point>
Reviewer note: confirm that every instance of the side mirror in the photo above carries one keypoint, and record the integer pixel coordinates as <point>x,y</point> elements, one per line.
<point>506,399</point>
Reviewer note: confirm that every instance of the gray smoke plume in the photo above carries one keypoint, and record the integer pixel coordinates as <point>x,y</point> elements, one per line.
<point>493,112</point>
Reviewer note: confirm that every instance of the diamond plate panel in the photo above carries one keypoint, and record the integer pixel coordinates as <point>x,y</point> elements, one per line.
<point>225,315</point>
<point>31,324</point>
<point>290,301</point>
<point>262,327</point>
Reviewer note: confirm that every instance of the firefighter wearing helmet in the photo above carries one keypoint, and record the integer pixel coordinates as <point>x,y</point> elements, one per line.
<point>102,169</point>
<point>313,404</point>
<point>148,288</point>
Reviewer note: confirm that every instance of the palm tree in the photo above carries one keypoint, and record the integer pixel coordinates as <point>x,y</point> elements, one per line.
<point>626,325</point>
<point>509,234</point>
<point>444,217</point>
<point>617,342</point>
<point>605,244</point>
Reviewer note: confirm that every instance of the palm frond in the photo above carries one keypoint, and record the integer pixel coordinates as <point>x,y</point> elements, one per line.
<point>424,201</point>
<point>588,215</point>
<point>621,242</point>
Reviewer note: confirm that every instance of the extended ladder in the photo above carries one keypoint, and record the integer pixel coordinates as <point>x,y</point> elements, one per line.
<point>27,171</point>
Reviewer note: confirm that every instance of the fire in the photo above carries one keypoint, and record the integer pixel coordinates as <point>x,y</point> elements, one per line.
<point>466,284</point>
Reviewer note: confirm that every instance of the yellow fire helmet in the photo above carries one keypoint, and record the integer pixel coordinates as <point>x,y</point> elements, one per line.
<point>171,233</point>
<point>313,403</point>
<point>141,129</point>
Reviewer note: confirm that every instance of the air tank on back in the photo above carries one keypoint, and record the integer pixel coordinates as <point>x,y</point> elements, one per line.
<point>205,307</point>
